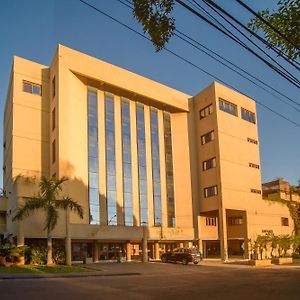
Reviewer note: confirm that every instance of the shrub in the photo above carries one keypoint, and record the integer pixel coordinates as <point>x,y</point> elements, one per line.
<point>10,252</point>
<point>284,243</point>
<point>296,255</point>
<point>58,255</point>
<point>37,253</point>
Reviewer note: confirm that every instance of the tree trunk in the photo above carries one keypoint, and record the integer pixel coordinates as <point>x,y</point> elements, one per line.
<point>49,249</point>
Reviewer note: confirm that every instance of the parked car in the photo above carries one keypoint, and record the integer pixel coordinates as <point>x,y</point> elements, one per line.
<point>182,255</point>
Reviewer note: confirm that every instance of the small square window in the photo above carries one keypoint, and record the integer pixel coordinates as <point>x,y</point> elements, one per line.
<point>284,221</point>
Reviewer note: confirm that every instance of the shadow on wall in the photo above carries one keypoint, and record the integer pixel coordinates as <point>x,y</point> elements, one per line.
<point>111,226</point>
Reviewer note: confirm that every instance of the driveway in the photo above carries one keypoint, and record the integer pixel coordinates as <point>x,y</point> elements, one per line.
<point>163,281</point>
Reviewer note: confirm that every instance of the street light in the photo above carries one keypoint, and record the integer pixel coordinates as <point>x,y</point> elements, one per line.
<point>111,219</point>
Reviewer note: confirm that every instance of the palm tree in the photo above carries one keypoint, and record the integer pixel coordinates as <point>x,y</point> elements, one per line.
<point>47,200</point>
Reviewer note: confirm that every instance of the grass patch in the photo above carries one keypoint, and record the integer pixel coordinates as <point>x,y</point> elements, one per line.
<point>43,269</point>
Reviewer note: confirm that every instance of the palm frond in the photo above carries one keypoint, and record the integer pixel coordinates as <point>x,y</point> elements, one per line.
<point>31,204</point>
<point>50,188</point>
<point>51,218</point>
<point>68,203</point>
<point>46,188</point>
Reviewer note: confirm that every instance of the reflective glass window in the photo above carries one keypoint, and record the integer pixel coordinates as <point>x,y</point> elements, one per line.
<point>248,115</point>
<point>93,161</point>
<point>155,168</point>
<point>126,151</point>
<point>141,147</point>
<point>110,159</point>
<point>169,170</point>
<point>228,107</point>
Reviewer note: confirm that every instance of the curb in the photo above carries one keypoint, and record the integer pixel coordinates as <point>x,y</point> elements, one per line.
<point>67,276</point>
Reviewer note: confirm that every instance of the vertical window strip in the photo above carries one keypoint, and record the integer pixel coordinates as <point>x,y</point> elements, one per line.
<point>53,119</point>
<point>93,159</point>
<point>169,170</point>
<point>127,166</point>
<point>142,172</point>
<point>53,151</point>
<point>110,160</point>
<point>155,168</point>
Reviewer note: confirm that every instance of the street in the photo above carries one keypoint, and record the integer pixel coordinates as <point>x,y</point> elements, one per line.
<point>162,281</point>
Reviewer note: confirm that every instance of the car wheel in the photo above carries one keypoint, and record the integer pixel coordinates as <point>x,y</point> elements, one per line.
<point>196,262</point>
<point>164,259</point>
<point>185,261</point>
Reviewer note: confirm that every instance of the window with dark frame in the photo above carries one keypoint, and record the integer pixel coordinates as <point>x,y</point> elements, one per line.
<point>206,111</point>
<point>255,191</point>
<point>210,191</point>
<point>284,221</point>
<point>32,88</point>
<point>208,137</point>
<point>238,220</point>
<point>252,141</point>
<point>228,107</point>
<point>248,115</point>
<point>252,165</point>
<point>209,164</point>
<point>211,221</point>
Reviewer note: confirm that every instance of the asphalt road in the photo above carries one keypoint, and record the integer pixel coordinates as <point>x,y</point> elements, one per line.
<point>162,281</point>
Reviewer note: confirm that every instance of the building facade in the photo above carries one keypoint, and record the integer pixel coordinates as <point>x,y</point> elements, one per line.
<point>145,161</point>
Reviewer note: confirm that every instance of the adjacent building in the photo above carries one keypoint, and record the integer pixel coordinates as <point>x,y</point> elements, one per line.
<point>146,162</point>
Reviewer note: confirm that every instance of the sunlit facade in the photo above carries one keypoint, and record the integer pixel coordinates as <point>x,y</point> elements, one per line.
<point>145,161</point>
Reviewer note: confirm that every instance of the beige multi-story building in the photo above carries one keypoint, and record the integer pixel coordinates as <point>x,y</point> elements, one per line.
<point>280,189</point>
<point>145,161</point>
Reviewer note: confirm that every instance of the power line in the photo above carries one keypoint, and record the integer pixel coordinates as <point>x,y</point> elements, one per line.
<point>266,22</point>
<point>185,36</point>
<point>213,18</point>
<point>214,6</point>
<point>246,47</point>
<point>238,72</point>
<point>185,60</point>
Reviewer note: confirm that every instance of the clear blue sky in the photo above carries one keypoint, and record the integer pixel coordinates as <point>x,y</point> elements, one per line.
<point>33,28</point>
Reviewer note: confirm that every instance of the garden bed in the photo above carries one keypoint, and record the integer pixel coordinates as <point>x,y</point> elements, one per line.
<point>260,262</point>
<point>43,269</point>
<point>282,260</point>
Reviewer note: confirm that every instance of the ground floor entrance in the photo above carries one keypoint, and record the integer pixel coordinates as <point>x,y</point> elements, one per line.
<point>211,249</point>
<point>121,250</point>
<point>236,248</point>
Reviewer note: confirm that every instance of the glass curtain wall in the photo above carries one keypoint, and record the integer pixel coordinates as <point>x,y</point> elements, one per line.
<point>155,168</point>
<point>110,160</point>
<point>141,147</point>
<point>93,162</point>
<point>169,170</point>
<point>127,174</point>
